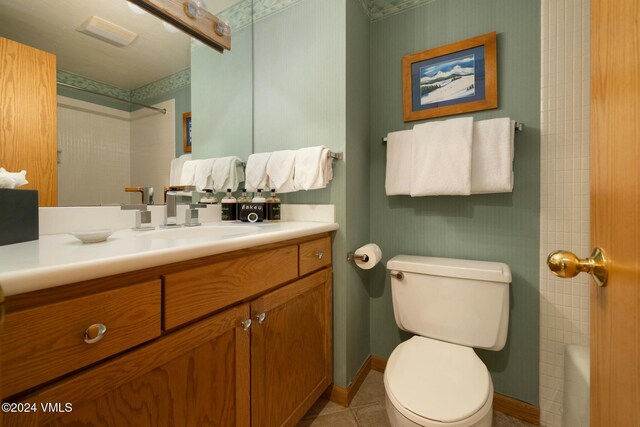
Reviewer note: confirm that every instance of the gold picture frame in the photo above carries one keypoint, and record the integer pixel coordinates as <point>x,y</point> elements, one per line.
<point>452,79</point>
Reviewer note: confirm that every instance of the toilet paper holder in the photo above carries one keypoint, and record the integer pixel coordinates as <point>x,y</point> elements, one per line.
<point>352,257</point>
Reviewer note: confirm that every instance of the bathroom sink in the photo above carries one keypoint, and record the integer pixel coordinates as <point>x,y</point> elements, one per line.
<point>201,232</point>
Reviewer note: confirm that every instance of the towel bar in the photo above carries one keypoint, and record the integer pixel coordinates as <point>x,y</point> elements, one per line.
<point>519,128</point>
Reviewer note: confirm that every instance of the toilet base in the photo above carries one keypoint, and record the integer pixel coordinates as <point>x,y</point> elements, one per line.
<point>482,418</point>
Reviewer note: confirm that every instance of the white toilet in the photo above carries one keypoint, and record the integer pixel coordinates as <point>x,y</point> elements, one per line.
<point>435,378</point>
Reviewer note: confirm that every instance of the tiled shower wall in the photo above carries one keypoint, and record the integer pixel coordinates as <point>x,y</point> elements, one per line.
<point>564,192</point>
<point>94,142</point>
<point>135,149</point>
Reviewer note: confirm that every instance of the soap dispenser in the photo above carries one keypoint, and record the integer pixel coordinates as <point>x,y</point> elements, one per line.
<point>273,207</point>
<point>229,208</point>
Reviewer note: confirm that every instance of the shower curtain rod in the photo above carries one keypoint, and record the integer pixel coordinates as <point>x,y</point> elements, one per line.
<point>160,110</point>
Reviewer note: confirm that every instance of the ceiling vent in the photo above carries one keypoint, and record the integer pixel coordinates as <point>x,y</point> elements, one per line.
<point>107,31</point>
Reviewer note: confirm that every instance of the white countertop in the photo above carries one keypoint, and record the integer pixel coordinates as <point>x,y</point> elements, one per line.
<point>61,259</point>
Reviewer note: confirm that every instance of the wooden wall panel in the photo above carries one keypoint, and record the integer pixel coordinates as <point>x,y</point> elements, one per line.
<point>28,121</point>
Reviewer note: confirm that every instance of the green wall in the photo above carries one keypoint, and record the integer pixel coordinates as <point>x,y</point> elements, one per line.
<point>357,185</point>
<point>492,227</point>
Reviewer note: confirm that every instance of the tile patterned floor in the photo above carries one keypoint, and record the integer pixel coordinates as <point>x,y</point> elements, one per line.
<point>367,410</point>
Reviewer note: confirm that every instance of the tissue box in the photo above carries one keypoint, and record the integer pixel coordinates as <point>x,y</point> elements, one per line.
<point>18,216</point>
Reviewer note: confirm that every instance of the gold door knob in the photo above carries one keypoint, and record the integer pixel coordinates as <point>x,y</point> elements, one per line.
<point>566,265</point>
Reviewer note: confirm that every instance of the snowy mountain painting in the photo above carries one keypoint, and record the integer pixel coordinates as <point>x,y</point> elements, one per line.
<point>443,81</point>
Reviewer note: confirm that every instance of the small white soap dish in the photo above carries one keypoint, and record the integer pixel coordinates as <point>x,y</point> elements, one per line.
<point>93,236</point>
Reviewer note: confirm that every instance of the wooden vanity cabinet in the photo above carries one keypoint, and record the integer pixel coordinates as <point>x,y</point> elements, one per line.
<point>213,370</point>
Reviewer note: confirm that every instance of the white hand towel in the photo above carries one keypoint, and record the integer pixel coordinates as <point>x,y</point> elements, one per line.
<point>398,177</point>
<point>441,158</point>
<point>188,175</point>
<point>325,173</point>
<point>492,158</point>
<point>256,172</point>
<point>175,172</point>
<point>227,173</point>
<point>203,174</point>
<point>280,170</point>
<point>308,166</point>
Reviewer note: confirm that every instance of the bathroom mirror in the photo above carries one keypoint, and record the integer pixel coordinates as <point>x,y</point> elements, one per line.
<point>105,145</point>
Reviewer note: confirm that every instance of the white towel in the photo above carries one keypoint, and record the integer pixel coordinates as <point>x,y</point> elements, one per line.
<point>325,174</point>
<point>202,178</point>
<point>227,173</point>
<point>175,172</point>
<point>310,167</point>
<point>492,164</point>
<point>256,172</point>
<point>188,175</point>
<point>441,158</point>
<point>398,177</point>
<point>280,170</point>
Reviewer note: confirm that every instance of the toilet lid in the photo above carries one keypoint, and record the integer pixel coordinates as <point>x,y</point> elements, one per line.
<point>437,380</point>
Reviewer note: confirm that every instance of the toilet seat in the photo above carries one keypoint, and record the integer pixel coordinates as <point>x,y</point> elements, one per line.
<point>433,381</point>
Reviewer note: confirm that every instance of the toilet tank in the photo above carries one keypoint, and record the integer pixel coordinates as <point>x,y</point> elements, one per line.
<point>459,301</point>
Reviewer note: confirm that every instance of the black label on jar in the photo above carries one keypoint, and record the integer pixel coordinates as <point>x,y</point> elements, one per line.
<point>273,211</point>
<point>229,212</point>
<point>251,212</point>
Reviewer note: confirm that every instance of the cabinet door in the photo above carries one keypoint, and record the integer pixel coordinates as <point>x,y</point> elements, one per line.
<point>291,354</point>
<point>197,376</point>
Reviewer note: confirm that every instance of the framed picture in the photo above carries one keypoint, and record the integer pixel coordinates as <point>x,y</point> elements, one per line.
<point>453,79</point>
<point>186,132</point>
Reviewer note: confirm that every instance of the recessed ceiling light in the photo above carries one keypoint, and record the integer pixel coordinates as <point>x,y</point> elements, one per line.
<point>107,31</point>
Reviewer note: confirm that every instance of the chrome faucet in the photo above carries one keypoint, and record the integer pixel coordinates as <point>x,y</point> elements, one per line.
<point>170,210</point>
<point>143,216</point>
<point>191,215</point>
<point>171,207</point>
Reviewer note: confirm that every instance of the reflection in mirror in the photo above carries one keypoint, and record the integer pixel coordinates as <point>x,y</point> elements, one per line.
<point>104,144</point>
<point>223,101</point>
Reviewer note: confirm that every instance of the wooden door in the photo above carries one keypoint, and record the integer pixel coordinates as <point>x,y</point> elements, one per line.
<point>28,121</point>
<point>291,355</point>
<point>615,211</point>
<point>198,376</point>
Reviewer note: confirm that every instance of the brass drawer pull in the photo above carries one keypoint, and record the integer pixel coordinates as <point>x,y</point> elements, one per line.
<point>94,333</point>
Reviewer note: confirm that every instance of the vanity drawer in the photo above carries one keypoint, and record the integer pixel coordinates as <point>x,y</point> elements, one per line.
<point>46,342</point>
<point>194,293</point>
<point>315,255</point>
